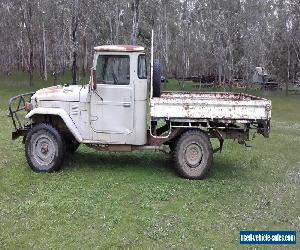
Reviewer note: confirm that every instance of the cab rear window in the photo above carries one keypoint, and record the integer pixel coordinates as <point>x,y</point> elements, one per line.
<point>142,68</point>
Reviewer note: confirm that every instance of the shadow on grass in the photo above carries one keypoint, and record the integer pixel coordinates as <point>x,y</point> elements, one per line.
<point>224,168</point>
<point>142,162</point>
<point>135,161</point>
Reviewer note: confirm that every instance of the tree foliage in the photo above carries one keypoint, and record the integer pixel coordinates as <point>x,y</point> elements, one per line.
<point>227,38</point>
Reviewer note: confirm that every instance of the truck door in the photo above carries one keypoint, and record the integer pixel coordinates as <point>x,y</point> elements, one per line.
<point>112,103</point>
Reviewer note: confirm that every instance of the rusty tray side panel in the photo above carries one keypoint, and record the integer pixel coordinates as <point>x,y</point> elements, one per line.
<point>212,106</point>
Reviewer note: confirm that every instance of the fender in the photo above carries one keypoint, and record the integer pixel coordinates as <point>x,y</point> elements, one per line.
<point>62,114</point>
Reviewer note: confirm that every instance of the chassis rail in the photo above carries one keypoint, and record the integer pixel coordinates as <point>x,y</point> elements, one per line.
<point>17,104</point>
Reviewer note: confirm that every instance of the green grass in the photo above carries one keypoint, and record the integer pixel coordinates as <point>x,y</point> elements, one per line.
<point>104,200</point>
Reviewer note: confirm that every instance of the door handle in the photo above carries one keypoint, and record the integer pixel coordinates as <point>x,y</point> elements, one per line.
<point>126,104</point>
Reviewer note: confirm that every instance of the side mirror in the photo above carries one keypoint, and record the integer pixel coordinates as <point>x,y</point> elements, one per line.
<point>93,80</point>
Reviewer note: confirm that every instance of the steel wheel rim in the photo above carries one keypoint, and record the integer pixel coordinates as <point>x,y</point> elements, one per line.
<point>43,150</point>
<point>193,155</point>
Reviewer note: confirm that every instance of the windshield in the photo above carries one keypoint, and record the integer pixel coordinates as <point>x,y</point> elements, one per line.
<point>113,69</point>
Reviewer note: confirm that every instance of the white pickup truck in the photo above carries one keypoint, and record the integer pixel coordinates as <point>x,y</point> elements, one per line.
<point>117,112</point>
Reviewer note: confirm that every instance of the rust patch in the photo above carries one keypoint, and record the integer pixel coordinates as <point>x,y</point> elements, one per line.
<point>227,96</point>
<point>50,90</point>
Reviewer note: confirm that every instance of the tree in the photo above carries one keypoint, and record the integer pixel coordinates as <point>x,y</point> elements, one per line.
<point>27,13</point>
<point>74,28</point>
<point>135,21</point>
<point>224,38</point>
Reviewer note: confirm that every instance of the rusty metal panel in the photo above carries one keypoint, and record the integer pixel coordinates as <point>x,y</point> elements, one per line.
<point>232,106</point>
<point>59,93</point>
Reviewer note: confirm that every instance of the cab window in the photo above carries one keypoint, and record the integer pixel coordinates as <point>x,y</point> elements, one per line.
<point>142,68</point>
<point>113,69</point>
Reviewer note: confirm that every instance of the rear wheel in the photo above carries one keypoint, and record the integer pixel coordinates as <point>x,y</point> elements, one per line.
<point>44,148</point>
<point>193,155</point>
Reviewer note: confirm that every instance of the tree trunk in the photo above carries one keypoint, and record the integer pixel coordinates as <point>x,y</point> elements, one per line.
<point>118,21</point>
<point>45,53</point>
<point>288,70</point>
<point>27,18</point>
<point>74,41</point>
<point>22,50</point>
<point>110,28</point>
<point>135,21</point>
<point>74,68</point>
<point>220,73</point>
<point>84,55</point>
<point>30,59</point>
<point>30,69</point>
<point>166,42</point>
<point>63,54</point>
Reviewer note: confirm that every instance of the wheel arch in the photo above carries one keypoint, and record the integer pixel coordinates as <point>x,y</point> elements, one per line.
<point>184,130</point>
<point>59,115</point>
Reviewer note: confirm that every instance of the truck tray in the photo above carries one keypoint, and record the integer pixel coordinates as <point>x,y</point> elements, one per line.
<point>210,106</point>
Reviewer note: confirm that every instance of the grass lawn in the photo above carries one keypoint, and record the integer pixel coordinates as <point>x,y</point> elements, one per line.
<point>104,200</point>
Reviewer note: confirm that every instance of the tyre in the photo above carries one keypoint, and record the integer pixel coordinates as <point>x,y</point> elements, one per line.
<point>71,146</point>
<point>193,155</point>
<point>44,148</point>
<point>156,78</point>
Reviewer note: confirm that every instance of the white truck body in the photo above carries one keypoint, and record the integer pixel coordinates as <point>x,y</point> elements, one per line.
<point>117,113</point>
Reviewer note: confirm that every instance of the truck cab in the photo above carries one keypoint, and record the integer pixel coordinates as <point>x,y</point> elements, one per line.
<point>112,108</point>
<point>118,100</point>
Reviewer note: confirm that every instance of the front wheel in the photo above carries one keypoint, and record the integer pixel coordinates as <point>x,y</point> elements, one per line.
<point>193,155</point>
<point>44,148</point>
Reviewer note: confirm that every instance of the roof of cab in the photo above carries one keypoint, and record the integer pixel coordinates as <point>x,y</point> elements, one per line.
<point>120,48</point>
